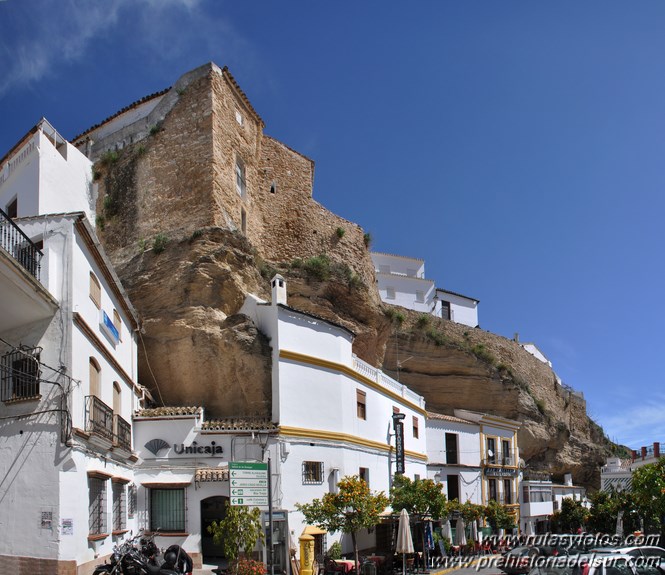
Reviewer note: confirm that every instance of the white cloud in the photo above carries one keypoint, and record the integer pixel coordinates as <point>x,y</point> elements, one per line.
<point>638,424</point>
<point>38,36</point>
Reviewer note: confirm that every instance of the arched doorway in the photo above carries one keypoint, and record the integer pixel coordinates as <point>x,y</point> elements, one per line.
<point>212,509</point>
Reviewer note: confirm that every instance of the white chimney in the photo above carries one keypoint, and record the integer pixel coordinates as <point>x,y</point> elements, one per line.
<point>278,285</point>
<point>568,479</point>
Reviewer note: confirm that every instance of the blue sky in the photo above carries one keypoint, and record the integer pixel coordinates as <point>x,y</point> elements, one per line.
<point>517,146</point>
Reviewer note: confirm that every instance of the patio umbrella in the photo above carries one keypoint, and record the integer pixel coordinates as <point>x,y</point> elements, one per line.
<point>619,529</point>
<point>474,530</point>
<point>446,531</point>
<point>460,536</point>
<point>529,528</point>
<point>404,540</point>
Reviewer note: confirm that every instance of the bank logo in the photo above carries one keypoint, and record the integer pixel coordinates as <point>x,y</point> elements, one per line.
<point>154,446</point>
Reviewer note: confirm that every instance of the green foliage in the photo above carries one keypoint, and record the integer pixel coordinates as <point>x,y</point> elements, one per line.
<point>605,508</point>
<point>297,263</point>
<point>540,404</point>
<point>156,128</point>
<point>159,243</point>
<point>318,267</point>
<point>142,244</point>
<point>436,336</point>
<point>648,488</point>
<point>335,551</point>
<point>240,530</point>
<point>96,174</point>
<point>109,205</point>
<point>140,150</point>
<point>367,239</point>
<point>100,221</point>
<point>109,158</point>
<point>352,508</point>
<point>423,497</point>
<point>423,321</point>
<point>266,270</point>
<point>340,232</point>
<point>396,317</point>
<point>181,91</point>
<point>483,354</point>
<point>573,516</point>
<point>498,516</point>
<point>196,234</point>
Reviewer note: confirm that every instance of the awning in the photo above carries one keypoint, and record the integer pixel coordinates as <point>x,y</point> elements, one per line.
<point>313,530</point>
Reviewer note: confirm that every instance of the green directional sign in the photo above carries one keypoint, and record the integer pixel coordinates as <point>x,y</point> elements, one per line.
<point>249,483</point>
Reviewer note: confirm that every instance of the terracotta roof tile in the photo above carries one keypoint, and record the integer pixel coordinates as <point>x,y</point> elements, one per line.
<point>168,411</point>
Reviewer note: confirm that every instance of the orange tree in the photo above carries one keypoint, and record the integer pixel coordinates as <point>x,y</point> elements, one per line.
<point>352,508</point>
<point>648,490</point>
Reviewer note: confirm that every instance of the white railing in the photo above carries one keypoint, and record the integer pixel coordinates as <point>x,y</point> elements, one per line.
<point>377,376</point>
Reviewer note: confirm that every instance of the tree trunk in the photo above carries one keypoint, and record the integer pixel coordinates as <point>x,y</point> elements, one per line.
<point>355,551</point>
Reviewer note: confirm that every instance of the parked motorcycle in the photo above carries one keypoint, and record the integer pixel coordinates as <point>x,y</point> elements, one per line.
<point>140,556</point>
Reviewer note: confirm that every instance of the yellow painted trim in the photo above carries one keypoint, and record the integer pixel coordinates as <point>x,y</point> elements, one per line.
<point>311,360</point>
<point>336,436</point>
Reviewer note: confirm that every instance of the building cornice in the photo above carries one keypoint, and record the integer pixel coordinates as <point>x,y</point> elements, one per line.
<point>346,438</point>
<point>346,370</point>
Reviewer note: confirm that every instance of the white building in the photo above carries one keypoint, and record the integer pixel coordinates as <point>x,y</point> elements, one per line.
<point>401,281</point>
<point>68,368</point>
<point>332,416</point>
<point>617,473</point>
<point>453,452</point>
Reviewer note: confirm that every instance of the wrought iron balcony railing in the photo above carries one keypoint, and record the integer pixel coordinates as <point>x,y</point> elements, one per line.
<point>21,248</point>
<point>123,433</point>
<point>98,418</point>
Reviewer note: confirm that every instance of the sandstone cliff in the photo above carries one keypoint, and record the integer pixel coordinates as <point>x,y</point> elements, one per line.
<point>192,229</point>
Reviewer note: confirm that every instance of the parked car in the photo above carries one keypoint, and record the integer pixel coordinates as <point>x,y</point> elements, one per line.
<point>650,560</point>
<point>518,561</point>
<point>588,564</point>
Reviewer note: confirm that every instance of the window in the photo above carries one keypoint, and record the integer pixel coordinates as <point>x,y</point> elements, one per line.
<point>12,208</point>
<point>361,404</point>
<point>507,491</point>
<point>20,374</point>
<point>132,500</point>
<point>117,323</point>
<point>445,309</point>
<point>411,272</point>
<point>119,506</point>
<point>167,510</point>
<point>273,187</point>
<point>240,177</point>
<point>363,473</point>
<point>243,221</point>
<point>97,505</point>
<point>312,472</point>
<point>505,453</point>
<point>525,494</point>
<point>95,378</point>
<point>452,482</point>
<point>95,290</point>
<point>239,117</point>
<point>390,293</point>
<point>451,448</point>
<point>491,450</point>
<point>384,269</point>
<point>491,484</point>
<point>420,296</point>
<point>415,427</point>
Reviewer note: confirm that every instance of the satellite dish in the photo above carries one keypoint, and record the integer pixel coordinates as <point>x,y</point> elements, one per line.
<point>490,453</point>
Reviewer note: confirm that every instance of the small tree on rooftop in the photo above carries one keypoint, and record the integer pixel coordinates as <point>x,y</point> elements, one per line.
<point>352,508</point>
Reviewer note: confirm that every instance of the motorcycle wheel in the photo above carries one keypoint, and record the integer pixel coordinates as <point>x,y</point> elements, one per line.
<point>102,570</point>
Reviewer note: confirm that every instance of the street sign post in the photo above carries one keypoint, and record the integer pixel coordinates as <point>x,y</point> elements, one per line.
<point>248,483</point>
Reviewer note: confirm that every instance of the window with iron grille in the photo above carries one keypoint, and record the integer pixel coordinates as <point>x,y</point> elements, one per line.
<point>97,505</point>
<point>167,510</point>
<point>20,374</point>
<point>131,500</point>
<point>312,472</point>
<point>119,506</point>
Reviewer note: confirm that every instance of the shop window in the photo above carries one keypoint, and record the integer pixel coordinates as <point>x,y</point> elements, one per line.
<point>312,472</point>
<point>167,510</point>
<point>95,290</point>
<point>97,505</point>
<point>361,404</point>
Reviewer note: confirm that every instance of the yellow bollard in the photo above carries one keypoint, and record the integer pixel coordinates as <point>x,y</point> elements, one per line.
<point>306,554</point>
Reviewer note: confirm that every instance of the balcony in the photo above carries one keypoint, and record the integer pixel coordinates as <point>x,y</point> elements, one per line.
<point>123,433</point>
<point>506,459</point>
<point>16,243</point>
<point>24,299</point>
<point>99,419</point>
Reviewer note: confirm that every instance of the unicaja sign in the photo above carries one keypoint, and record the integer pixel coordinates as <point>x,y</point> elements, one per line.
<point>211,449</point>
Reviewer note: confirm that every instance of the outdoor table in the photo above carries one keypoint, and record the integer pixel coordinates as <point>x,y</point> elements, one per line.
<point>346,564</point>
